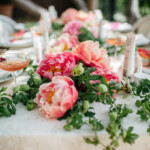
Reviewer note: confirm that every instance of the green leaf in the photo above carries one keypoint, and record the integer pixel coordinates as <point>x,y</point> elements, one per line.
<point>89,114</point>
<point>22,97</point>
<point>35,80</point>
<point>95,124</point>
<point>94,141</point>
<point>3,89</point>
<point>130,137</point>
<point>85,35</point>
<point>148,129</point>
<point>4,111</point>
<point>108,99</point>
<point>57,25</point>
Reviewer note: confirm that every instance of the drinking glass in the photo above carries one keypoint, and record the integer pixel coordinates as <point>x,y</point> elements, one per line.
<point>13,62</point>
<point>116,39</point>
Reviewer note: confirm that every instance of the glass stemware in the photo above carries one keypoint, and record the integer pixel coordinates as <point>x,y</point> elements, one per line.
<point>116,39</point>
<point>13,62</point>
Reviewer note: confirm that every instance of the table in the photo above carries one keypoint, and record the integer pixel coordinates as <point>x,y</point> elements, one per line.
<point>31,131</point>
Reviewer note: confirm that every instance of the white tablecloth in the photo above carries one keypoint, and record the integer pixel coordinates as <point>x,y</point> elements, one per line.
<point>29,130</point>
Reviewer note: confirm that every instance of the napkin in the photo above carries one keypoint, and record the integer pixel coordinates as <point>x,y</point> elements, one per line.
<point>121,27</point>
<point>4,74</point>
<point>140,40</point>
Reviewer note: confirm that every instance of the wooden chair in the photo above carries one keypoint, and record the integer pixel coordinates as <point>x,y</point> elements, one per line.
<point>142,26</point>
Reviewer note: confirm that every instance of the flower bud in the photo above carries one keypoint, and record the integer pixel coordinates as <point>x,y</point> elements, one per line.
<point>24,87</point>
<point>30,105</point>
<point>68,127</point>
<point>78,70</point>
<point>16,89</point>
<point>102,88</point>
<point>113,116</point>
<point>86,105</point>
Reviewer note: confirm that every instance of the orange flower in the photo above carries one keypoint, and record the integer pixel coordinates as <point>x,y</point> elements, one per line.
<point>90,53</point>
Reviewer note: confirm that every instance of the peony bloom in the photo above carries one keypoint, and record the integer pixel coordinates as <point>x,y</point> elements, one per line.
<point>56,97</point>
<point>109,75</point>
<point>67,40</point>
<point>68,15</point>
<point>60,64</point>
<point>90,53</point>
<point>73,27</point>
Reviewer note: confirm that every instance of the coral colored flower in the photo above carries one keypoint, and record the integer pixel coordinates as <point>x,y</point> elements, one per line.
<point>73,27</point>
<point>90,53</point>
<point>69,41</point>
<point>68,15</point>
<point>60,64</point>
<point>109,75</point>
<point>56,97</point>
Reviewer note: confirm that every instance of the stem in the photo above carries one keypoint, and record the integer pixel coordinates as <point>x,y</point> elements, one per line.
<point>116,46</point>
<point>14,75</point>
<point>96,136</point>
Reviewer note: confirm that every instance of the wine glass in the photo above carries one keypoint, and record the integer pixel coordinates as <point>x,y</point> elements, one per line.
<point>13,62</point>
<point>115,39</point>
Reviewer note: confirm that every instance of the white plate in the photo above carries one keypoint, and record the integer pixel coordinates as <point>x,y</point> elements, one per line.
<point>146,70</point>
<point>22,43</point>
<point>17,44</point>
<point>5,75</point>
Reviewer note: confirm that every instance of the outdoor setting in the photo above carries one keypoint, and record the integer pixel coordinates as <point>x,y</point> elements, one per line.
<point>75,75</point>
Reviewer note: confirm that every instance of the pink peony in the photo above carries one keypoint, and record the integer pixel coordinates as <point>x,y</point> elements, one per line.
<point>90,53</point>
<point>68,15</point>
<point>109,75</point>
<point>60,64</point>
<point>86,17</point>
<point>73,27</point>
<point>69,41</point>
<point>56,97</point>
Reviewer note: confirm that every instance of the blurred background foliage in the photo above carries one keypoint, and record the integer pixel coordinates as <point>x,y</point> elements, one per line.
<point>111,7</point>
<point>114,10</point>
<point>144,7</point>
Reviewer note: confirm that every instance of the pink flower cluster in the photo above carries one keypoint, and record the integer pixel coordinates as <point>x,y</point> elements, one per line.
<point>60,64</point>
<point>73,27</point>
<point>58,96</point>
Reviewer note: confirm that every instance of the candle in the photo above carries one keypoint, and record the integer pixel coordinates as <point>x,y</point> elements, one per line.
<point>129,59</point>
<point>38,47</point>
<point>139,63</point>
